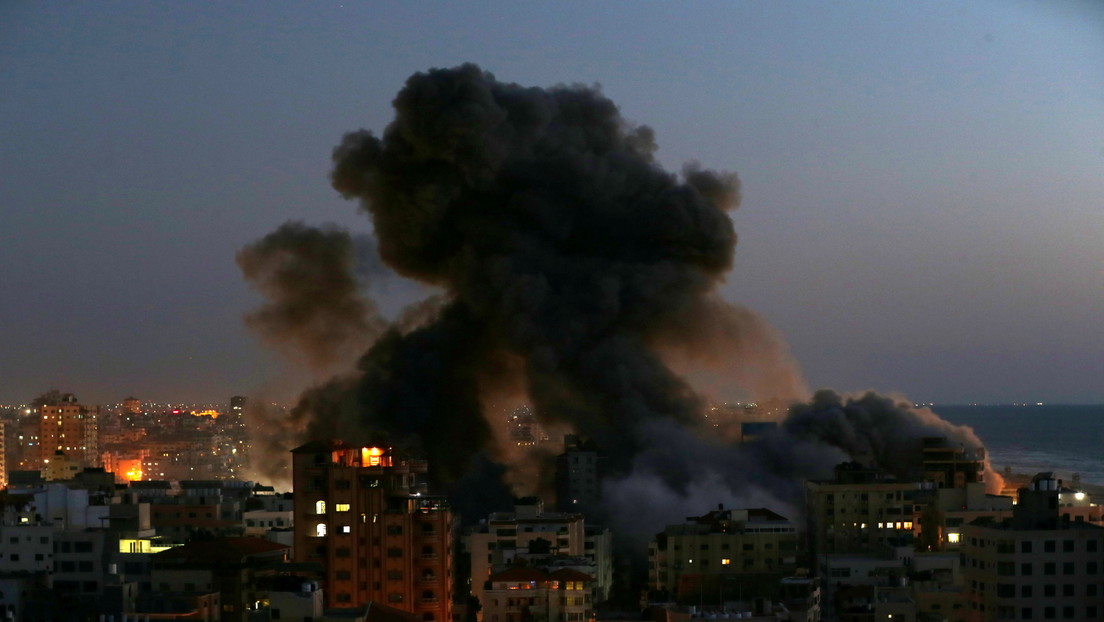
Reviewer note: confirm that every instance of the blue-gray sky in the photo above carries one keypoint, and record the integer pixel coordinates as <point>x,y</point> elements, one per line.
<point>923,182</point>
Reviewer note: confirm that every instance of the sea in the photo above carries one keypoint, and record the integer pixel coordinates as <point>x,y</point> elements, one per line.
<point>1029,439</point>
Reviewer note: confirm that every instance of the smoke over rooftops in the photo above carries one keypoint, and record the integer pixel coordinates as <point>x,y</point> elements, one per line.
<point>578,276</point>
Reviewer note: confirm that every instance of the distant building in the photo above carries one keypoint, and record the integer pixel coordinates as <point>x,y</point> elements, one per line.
<point>64,424</point>
<point>362,513</point>
<point>578,476</point>
<point>952,466</point>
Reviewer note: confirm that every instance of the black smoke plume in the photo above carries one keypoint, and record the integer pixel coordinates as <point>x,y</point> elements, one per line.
<point>577,275</point>
<point>315,312</point>
<point>567,252</point>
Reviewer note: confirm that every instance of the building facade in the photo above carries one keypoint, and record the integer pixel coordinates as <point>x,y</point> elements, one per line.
<point>1035,565</point>
<point>363,514</point>
<point>66,425</point>
<point>724,546</point>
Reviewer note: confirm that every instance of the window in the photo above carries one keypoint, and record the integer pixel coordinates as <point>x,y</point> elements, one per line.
<point>1006,590</point>
<point>1050,568</point>
<point>320,507</point>
<point>1048,613</point>
<point>1025,591</point>
<point>1025,547</point>
<point>342,507</point>
<point>320,529</point>
<point>1025,569</point>
<point>1090,546</point>
<point>1025,613</point>
<point>346,529</point>
<point>343,551</point>
<point>1067,589</point>
<point>1049,590</point>
<point>1048,546</point>
<point>1067,568</point>
<point>343,575</point>
<point>1067,546</point>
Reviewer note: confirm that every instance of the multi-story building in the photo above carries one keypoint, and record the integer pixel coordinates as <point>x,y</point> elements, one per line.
<point>949,465</point>
<point>578,476</point>
<point>861,511</point>
<point>559,539</point>
<point>724,546</point>
<point>363,514</point>
<point>1035,565</point>
<point>230,571</point>
<point>529,595</point>
<point>64,424</point>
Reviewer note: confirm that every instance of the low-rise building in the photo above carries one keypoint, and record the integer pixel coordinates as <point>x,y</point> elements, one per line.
<point>702,556</point>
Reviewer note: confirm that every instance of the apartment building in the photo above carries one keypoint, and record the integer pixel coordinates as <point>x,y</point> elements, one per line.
<point>725,546</point>
<point>1036,565</point>
<point>363,513</point>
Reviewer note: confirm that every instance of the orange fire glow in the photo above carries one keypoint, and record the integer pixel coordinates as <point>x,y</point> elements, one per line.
<point>371,456</point>
<point>131,470</point>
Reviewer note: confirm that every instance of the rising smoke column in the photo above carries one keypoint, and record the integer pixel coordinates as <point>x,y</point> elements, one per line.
<point>575,274</point>
<point>315,311</point>
<point>315,315</point>
<point>561,242</point>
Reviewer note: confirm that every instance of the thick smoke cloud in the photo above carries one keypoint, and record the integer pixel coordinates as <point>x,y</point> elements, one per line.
<point>877,430</point>
<point>561,243</point>
<point>315,312</point>
<point>579,276</point>
<point>315,315</point>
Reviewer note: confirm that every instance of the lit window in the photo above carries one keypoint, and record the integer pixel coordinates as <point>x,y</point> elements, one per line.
<point>341,507</point>
<point>320,529</point>
<point>726,561</point>
<point>953,538</point>
<point>320,507</point>
<point>346,529</point>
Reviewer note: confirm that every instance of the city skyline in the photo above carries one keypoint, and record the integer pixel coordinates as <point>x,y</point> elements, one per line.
<point>921,185</point>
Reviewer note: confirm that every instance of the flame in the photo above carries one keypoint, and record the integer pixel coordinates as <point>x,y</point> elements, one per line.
<point>370,456</point>
<point>131,470</point>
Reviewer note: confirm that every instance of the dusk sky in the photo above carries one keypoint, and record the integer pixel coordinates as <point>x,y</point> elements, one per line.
<point>923,182</point>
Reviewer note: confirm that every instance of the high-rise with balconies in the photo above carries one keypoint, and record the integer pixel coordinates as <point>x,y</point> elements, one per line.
<point>364,514</point>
